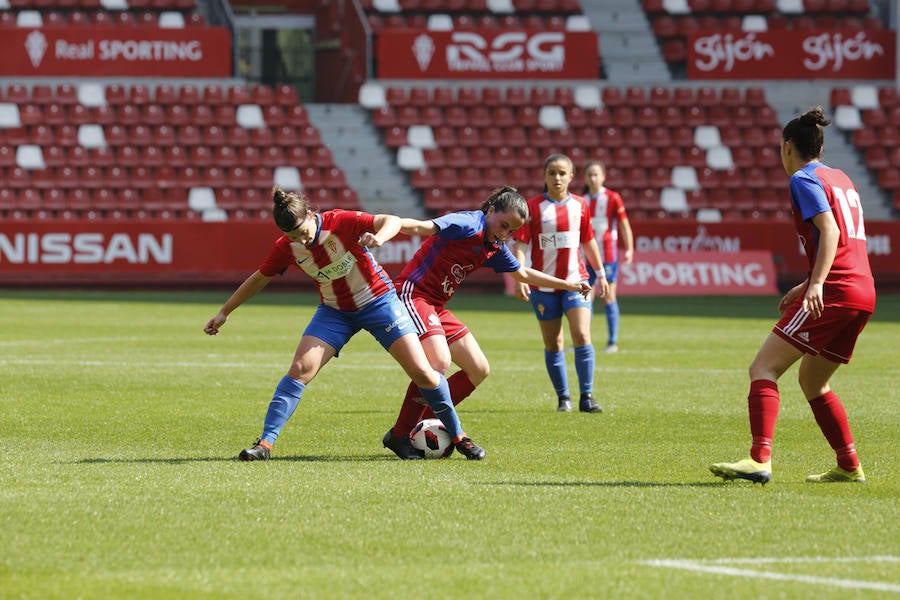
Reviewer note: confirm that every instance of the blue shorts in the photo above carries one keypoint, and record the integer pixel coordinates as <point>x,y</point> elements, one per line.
<point>611,270</point>
<point>553,305</point>
<point>386,319</point>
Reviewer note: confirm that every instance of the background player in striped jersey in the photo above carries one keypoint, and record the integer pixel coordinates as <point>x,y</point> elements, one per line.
<point>609,219</point>
<point>822,316</point>
<point>332,248</point>
<point>458,244</point>
<point>558,231</point>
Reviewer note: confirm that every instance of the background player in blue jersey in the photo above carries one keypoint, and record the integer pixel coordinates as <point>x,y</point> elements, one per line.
<point>458,244</point>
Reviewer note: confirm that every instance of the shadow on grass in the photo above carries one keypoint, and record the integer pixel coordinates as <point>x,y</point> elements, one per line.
<point>213,459</point>
<point>612,484</point>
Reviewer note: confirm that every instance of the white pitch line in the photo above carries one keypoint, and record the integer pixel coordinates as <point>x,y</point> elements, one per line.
<point>855,584</point>
<point>803,559</point>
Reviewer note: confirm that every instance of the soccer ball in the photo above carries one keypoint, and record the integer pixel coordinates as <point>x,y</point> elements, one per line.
<point>432,438</point>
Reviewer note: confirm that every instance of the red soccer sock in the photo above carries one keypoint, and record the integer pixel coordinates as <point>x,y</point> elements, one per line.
<point>410,413</point>
<point>762,403</point>
<point>460,389</point>
<point>832,419</point>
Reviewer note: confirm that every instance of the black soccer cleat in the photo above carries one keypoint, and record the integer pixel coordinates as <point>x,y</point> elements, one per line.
<point>470,449</point>
<point>401,446</point>
<point>565,405</point>
<point>257,452</point>
<point>588,405</point>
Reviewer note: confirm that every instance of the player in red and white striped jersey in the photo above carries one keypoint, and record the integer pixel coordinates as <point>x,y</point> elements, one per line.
<point>558,232</point>
<point>609,218</point>
<point>332,247</point>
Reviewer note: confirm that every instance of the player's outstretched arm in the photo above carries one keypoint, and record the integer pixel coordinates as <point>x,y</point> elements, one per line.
<point>251,286</point>
<point>386,227</point>
<point>417,227</point>
<point>529,276</point>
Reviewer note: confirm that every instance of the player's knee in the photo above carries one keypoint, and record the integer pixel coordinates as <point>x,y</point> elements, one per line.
<point>428,378</point>
<point>479,373</point>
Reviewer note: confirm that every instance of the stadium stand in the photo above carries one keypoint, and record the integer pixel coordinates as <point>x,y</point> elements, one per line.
<point>478,139</point>
<point>870,116</point>
<point>158,143</point>
<point>68,144</point>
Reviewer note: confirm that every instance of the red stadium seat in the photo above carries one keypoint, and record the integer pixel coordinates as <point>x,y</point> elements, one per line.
<point>516,96</point>
<point>612,97</point>
<point>189,135</point>
<point>456,157</point>
<point>443,96</point>
<point>128,156</point>
<point>286,95</point>
<point>491,97</point>
<point>177,115</point>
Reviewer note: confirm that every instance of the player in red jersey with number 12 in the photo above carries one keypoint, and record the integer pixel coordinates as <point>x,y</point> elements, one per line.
<point>822,317</point>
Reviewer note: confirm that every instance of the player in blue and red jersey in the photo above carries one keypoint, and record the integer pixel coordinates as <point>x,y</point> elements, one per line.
<point>609,218</point>
<point>558,231</point>
<point>332,247</point>
<point>821,317</point>
<point>458,244</point>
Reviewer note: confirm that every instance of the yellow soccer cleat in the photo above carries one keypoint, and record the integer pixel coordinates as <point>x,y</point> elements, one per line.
<point>747,469</point>
<point>839,475</point>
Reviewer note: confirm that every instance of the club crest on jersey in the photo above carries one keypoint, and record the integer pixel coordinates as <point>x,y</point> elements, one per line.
<point>459,271</point>
<point>331,246</point>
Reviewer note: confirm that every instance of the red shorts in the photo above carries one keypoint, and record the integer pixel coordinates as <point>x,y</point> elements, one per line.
<point>833,335</point>
<point>433,320</point>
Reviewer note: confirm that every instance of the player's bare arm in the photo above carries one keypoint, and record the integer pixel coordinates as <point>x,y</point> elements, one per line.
<point>522,290</point>
<point>829,234</point>
<point>386,227</point>
<point>249,288</point>
<point>417,227</point>
<point>529,276</point>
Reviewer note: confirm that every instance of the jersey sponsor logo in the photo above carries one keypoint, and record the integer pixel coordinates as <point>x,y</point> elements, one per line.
<point>337,269</point>
<point>560,239</point>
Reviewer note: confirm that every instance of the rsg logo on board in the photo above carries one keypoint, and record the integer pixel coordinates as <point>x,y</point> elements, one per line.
<point>515,51</point>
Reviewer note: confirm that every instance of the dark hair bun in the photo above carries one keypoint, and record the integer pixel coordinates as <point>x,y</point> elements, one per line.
<point>814,116</point>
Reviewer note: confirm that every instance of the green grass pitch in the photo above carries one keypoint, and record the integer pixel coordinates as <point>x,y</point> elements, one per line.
<point>120,422</point>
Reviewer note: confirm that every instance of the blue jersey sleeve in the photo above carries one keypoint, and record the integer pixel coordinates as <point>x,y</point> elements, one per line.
<point>503,261</point>
<point>459,225</point>
<point>808,195</point>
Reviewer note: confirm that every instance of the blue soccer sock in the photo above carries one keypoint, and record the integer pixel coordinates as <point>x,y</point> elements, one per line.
<point>612,321</point>
<point>441,405</point>
<point>284,403</point>
<point>556,368</point>
<point>584,367</point>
